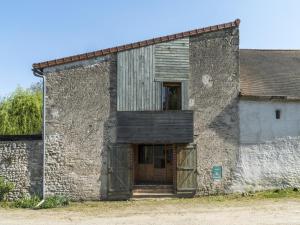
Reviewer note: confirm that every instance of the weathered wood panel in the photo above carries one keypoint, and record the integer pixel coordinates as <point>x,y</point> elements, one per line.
<point>155,127</point>
<point>172,60</point>
<point>141,72</point>
<point>186,169</point>
<point>119,182</point>
<point>137,89</point>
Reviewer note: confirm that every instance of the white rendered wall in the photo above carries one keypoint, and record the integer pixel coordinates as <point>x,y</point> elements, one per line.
<point>269,154</point>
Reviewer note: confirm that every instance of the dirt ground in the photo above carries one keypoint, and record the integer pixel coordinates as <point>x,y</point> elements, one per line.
<point>160,212</point>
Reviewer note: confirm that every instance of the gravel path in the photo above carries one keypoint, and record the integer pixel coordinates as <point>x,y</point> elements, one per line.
<point>230,213</point>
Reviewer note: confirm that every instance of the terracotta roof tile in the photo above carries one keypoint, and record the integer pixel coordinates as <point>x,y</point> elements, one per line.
<point>270,72</point>
<point>139,44</point>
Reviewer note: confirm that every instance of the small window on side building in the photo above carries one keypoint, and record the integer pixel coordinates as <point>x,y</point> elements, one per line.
<point>277,113</point>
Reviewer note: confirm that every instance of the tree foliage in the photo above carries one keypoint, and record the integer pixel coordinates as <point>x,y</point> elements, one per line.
<point>21,112</point>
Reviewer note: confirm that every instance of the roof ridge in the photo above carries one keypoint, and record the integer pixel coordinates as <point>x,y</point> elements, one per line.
<point>138,44</point>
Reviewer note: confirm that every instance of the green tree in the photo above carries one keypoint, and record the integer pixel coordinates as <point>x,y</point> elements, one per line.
<point>21,112</point>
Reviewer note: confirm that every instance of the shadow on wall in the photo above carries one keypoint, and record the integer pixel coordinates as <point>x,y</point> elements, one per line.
<point>226,123</point>
<point>35,168</point>
<point>109,130</point>
<point>218,145</point>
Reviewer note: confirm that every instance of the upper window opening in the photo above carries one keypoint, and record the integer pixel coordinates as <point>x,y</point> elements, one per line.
<point>277,112</point>
<point>171,96</point>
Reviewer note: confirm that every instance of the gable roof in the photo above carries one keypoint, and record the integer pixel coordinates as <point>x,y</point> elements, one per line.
<point>270,72</point>
<point>139,44</point>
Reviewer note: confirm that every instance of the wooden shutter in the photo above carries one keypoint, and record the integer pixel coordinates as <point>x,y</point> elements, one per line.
<point>119,168</point>
<point>186,169</point>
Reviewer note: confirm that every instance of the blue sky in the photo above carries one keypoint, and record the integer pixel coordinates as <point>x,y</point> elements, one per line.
<point>34,31</point>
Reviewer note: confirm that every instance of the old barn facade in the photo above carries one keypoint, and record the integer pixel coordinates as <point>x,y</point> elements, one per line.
<point>144,114</point>
<point>183,114</point>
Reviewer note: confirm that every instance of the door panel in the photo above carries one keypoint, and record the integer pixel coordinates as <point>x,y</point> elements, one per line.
<point>169,163</point>
<point>158,170</point>
<point>186,169</point>
<point>143,165</point>
<point>119,182</point>
<point>159,163</point>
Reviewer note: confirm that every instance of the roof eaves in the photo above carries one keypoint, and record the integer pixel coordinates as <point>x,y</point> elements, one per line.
<point>139,44</point>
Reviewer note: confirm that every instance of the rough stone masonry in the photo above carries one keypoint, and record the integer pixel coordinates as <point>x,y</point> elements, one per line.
<point>78,117</point>
<point>213,90</point>
<point>21,162</point>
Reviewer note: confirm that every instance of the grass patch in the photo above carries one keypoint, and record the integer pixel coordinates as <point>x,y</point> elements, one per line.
<point>278,193</point>
<point>5,204</point>
<point>26,202</point>
<point>135,206</point>
<point>230,199</point>
<point>5,188</point>
<point>32,202</point>
<point>90,207</point>
<point>55,202</point>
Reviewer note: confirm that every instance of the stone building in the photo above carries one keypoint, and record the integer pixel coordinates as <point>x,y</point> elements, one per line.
<point>269,111</point>
<point>183,114</point>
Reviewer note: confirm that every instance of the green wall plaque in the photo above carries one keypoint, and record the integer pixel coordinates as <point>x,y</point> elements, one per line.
<point>217,172</point>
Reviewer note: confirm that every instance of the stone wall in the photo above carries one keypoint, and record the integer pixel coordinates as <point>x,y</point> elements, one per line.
<point>269,147</point>
<point>79,126</point>
<point>81,109</point>
<point>21,162</point>
<point>213,95</point>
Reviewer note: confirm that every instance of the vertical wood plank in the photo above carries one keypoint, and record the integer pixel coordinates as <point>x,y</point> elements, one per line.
<point>140,73</point>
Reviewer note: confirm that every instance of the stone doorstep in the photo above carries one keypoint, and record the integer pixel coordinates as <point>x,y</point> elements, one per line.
<point>141,196</point>
<point>153,191</point>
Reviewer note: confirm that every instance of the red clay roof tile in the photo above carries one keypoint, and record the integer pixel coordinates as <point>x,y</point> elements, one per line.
<point>152,41</point>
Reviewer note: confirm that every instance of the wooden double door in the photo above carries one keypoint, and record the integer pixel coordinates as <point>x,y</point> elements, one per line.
<point>132,164</point>
<point>153,164</point>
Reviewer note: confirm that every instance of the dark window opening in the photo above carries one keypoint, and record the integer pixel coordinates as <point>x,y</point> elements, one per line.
<point>277,112</point>
<point>169,154</point>
<point>171,96</point>
<point>145,155</point>
<point>159,156</point>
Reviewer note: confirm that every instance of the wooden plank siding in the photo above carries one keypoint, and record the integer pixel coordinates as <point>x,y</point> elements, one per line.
<point>172,60</point>
<point>161,127</point>
<point>137,90</point>
<point>141,71</point>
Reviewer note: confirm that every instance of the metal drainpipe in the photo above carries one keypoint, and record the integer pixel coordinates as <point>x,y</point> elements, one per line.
<point>39,73</point>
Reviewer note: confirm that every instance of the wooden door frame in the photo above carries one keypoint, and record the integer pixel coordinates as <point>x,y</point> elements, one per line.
<point>174,164</point>
<point>190,191</point>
